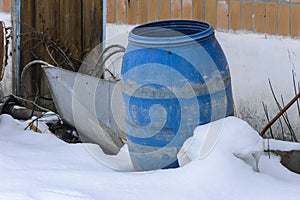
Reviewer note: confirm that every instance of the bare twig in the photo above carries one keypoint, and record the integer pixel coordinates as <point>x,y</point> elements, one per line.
<point>295,92</point>
<point>282,111</point>
<point>50,54</point>
<point>282,130</point>
<point>288,123</point>
<point>284,114</point>
<point>120,47</point>
<point>267,116</point>
<point>35,46</point>
<point>34,104</point>
<point>107,57</point>
<point>48,42</point>
<point>112,75</point>
<point>63,53</point>
<point>98,69</point>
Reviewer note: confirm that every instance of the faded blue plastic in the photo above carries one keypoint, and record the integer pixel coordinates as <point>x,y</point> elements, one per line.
<point>175,77</point>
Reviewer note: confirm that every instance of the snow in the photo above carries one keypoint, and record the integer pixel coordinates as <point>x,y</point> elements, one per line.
<point>40,166</point>
<point>272,144</point>
<point>5,17</point>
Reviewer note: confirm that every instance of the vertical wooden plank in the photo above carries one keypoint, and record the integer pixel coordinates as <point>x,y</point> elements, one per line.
<point>283,19</point>
<point>165,8</point>
<point>53,21</point>
<point>271,20</point>
<point>176,9</point>
<point>153,9</point>
<point>110,11</point>
<point>142,11</point>
<point>211,12</point>
<point>70,25</point>
<point>91,24</point>
<point>132,10</point>
<point>199,10</point>
<point>295,21</point>
<point>259,17</point>
<point>46,20</point>
<point>223,14</point>
<point>235,15</point>
<point>121,11</point>
<point>27,22</point>
<point>247,15</point>
<point>187,9</point>
<point>31,78</point>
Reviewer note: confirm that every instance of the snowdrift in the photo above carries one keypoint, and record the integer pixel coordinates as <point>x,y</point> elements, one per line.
<point>40,166</point>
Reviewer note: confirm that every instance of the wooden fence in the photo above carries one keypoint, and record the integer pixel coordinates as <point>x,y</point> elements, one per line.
<point>276,17</point>
<point>60,32</point>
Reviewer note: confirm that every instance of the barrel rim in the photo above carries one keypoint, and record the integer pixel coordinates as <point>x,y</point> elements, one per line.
<point>201,31</point>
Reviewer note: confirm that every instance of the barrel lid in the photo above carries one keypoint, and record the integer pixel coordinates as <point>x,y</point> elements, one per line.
<point>171,32</point>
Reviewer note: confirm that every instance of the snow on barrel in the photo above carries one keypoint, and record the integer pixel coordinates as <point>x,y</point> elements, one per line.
<point>175,77</point>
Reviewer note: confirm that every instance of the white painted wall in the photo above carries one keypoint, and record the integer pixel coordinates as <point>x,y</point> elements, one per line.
<point>253,59</point>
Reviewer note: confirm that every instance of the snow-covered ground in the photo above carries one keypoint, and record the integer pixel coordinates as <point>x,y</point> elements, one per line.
<point>40,166</point>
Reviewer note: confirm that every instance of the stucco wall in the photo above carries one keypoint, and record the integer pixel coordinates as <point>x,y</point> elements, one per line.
<point>253,59</point>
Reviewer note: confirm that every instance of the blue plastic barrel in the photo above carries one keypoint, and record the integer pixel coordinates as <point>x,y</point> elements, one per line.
<point>175,77</point>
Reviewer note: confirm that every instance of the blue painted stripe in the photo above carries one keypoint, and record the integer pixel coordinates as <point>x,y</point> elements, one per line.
<point>18,54</point>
